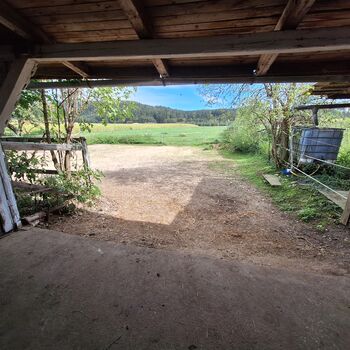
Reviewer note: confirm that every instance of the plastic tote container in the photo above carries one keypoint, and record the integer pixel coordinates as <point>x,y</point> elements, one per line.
<point>320,143</point>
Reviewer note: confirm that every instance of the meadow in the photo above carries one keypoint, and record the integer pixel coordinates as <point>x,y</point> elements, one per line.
<point>154,134</point>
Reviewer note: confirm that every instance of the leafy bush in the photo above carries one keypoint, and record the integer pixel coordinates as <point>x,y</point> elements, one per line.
<point>22,165</point>
<point>80,185</point>
<point>243,135</point>
<point>344,158</point>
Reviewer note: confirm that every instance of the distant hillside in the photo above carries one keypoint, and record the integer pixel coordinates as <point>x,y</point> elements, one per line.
<point>157,114</point>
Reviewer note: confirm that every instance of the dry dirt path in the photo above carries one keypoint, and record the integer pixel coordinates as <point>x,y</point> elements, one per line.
<point>176,198</point>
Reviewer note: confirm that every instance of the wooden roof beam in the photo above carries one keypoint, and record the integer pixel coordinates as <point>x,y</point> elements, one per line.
<point>135,12</point>
<point>292,15</point>
<point>291,41</point>
<point>174,80</point>
<point>296,69</point>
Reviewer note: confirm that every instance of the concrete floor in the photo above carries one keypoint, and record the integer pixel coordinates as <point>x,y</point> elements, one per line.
<point>63,291</point>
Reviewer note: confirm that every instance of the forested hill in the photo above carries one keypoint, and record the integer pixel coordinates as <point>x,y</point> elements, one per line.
<point>157,114</point>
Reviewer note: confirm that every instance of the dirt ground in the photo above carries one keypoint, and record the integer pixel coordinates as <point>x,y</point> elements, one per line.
<point>67,292</point>
<point>178,198</point>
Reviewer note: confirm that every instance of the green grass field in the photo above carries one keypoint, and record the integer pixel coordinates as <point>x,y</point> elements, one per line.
<point>154,134</point>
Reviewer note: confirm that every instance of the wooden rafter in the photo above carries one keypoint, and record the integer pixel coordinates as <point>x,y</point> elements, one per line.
<point>292,15</point>
<point>79,68</point>
<point>14,21</point>
<point>136,15</point>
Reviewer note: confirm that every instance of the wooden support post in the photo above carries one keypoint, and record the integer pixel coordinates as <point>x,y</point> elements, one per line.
<point>17,78</point>
<point>346,213</point>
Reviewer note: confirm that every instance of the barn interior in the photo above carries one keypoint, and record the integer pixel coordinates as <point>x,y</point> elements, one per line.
<point>65,292</point>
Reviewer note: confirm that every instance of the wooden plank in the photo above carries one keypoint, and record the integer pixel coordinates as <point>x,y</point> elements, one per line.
<point>273,180</point>
<point>87,26</point>
<point>319,40</point>
<point>292,15</point>
<point>30,188</point>
<point>235,8</point>
<point>71,7</point>
<point>194,18</point>
<point>37,139</point>
<point>333,197</point>
<point>33,146</point>
<point>96,36</point>
<point>44,3</point>
<point>10,215</point>
<point>325,106</point>
<point>214,25</point>
<point>5,214</point>
<point>346,213</point>
<point>17,78</point>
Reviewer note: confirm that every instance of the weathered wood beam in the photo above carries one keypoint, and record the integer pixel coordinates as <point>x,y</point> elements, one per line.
<point>17,78</point>
<point>291,41</point>
<point>296,68</point>
<point>292,15</point>
<point>173,80</point>
<point>135,12</point>
<point>346,213</point>
<point>36,146</point>
<point>161,67</point>
<point>325,106</point>
<point>78,68</point>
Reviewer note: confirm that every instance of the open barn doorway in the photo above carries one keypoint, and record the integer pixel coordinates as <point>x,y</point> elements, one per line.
<point>231,270</point>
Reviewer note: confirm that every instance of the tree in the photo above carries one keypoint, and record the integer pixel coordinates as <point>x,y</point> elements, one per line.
<point>27,113</point>
<point>63,107</point>
<point>270,104</point>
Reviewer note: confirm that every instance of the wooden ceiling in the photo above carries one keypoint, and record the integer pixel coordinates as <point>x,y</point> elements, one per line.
<point>25,24</point>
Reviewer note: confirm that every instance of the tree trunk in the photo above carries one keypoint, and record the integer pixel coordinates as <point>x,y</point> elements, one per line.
<point>47,129</point>
<point>68,154</point>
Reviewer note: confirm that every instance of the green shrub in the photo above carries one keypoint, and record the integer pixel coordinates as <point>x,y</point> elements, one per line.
<point>243,135</point>
<point>344,158</point>
<point>80,185</point>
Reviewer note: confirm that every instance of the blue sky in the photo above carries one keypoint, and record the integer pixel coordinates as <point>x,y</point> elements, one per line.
<point>185,97</point>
